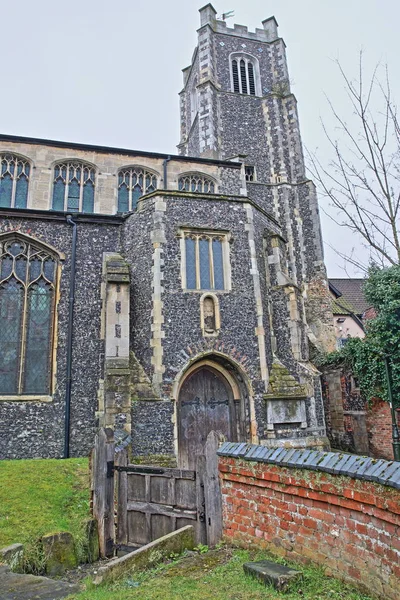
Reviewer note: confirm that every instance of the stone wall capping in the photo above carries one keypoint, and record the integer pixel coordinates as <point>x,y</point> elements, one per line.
<point>358,467</point>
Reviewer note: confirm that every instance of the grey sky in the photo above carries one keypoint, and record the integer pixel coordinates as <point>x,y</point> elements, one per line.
<point>109,73</point>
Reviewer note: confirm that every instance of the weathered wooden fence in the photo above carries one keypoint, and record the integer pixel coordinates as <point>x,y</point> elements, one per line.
<point>136,504</point>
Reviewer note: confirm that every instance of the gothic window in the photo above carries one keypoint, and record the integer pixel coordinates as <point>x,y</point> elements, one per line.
<point>73,187</point>
<point>249,173</point>
<point>206,262</point>
<point>27,304</point>
<point>245,74</point>
<point>196,182</point>
<point>14,181</point>
<point>132,184</point>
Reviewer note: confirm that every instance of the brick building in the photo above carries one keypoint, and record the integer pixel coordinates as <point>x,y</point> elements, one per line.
<point>168,295</point>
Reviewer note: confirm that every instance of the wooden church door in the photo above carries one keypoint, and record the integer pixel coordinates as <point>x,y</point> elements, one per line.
<point>205,404</point>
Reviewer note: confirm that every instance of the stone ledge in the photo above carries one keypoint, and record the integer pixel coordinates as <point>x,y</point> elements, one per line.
<point>147,556</point>
<point>358,467</point>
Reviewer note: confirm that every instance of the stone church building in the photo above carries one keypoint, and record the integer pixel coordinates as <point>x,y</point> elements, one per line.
<point>168,295</point>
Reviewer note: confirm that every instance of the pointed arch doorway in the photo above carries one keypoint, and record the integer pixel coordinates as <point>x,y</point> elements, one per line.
<point>209,400</point>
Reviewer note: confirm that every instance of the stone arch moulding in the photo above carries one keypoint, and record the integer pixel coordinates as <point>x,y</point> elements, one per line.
<point>18,234</point>
<point>235,376</point>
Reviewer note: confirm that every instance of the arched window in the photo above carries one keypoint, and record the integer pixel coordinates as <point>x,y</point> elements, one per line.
<point>14,181</point>
<point>28,274</point>
<point>73,187</point>
<point>245,76</point>
<point>132,184</point>
<point>196,182</point>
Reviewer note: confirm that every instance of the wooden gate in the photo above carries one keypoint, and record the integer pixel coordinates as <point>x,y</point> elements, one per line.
<point>154,501</point>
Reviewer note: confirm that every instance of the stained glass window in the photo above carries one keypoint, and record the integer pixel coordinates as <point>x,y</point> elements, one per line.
<point>73,187</point>
<point>132,184</point>
<point>244,71</point>
<point>27,296</point>
<point>14,181</point>
<point>204,260</point>
<point>196,182</point>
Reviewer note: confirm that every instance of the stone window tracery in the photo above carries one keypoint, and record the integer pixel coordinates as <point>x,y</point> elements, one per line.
<point>28,278</point>
<point>196,182</point>
<point>14,181</point>
<point>206,261</point>
<point>133,183</point>
<point>73,187</point>
<point>245,74</point>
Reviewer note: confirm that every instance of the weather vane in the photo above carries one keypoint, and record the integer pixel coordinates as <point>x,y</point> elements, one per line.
<point>228,15</point>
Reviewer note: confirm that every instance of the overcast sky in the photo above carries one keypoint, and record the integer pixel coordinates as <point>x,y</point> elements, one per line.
<point>109,72</point>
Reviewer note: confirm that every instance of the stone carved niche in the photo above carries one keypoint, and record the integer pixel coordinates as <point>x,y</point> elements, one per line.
<point>209,315</point>
<point>285,401</point>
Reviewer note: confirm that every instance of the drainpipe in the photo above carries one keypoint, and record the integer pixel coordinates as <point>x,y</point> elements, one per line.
<point>165,163</point>
<point>68,385</point>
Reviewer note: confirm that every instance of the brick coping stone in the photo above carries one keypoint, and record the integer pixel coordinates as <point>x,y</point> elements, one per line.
<point>337,463</point>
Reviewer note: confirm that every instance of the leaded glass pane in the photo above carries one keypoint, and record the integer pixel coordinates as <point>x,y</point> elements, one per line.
<point>37,354</point>
<point>218,264</point>
<point>11,311</point>
<point>251,79</point>
<point>6,267</point>
<point>35,269</point>
<point>15,248</point>
<point>190,247</point>
<point>88,197</point>
<point>21,194</point>
<point>123,198</point>
<point>20,268</point>
<point>58,195</point>
<point>73,196</point>
<point>49,269</point>
<point>136,194</point>
<point>204,256</point>
<point>6,185</point>
<point>196,183</point>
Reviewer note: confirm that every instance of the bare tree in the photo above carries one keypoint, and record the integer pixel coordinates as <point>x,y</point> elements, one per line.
<point>362,181</point>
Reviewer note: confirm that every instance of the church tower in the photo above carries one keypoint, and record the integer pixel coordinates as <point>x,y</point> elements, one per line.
<point>237,104</point>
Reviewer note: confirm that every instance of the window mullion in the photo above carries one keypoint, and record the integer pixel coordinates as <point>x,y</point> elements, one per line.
<point>211,262</point>
<point>247,76</point>
<point>82,177</point>
<point>198,285</point>
<point>66,184</point>
<point>14,183</point>
<point>24,326</point>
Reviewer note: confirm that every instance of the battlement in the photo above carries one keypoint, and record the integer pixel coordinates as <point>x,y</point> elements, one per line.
<point>269,33</point>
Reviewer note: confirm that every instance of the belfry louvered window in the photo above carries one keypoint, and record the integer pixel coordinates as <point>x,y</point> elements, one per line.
<point>205,265</point>
<point>27,304</point>
<point>243,76</point>
<point>132,184</point>
<point>14,181</point>
<point>73,187</point>
<point>196,182</point>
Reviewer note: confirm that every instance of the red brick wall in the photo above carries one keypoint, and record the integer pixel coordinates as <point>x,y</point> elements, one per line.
<point>348,526</point>
<point>379,426</point>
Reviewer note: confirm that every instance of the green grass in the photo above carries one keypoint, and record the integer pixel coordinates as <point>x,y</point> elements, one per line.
<point>42,496</point>
<point>217,575</point>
